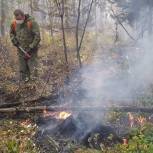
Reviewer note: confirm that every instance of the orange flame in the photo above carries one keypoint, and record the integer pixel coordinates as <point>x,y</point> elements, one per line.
<point>57,115</point>
<point>47,114</point>
<point>136,120</point>
<point>141,120</point>
<point>63,115</point>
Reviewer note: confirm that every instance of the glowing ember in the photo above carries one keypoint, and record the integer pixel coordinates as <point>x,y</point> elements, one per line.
<point>63,115</point>
<point>49,114</point>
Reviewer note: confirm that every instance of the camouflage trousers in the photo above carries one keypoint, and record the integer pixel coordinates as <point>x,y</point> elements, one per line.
<point>28,68</point>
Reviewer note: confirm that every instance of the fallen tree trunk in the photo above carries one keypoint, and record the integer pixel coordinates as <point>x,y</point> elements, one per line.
<point>75,108</point>
<point>7,105</point>
<point>17,104</point>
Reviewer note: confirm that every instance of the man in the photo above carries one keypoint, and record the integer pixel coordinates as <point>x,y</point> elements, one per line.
<point>25,35</point>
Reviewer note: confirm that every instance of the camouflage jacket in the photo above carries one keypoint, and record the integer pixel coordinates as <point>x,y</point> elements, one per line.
<point>28,38</point>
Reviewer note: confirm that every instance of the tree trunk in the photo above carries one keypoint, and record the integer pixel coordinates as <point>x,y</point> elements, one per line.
<point>77,35</point>
<point>63,32</point>
<point>2,23</point>
<point>79,43</point>
<point>67,26</point>
<point>49,5</point>
<point>60,7</point>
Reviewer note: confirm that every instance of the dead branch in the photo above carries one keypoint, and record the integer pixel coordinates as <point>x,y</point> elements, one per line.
<point>75,109</point>
<point>7,105</point>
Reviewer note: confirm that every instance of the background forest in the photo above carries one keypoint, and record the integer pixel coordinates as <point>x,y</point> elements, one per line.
<point>100,50</point>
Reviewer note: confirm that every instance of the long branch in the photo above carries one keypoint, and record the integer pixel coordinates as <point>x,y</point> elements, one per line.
<point>75,109</point>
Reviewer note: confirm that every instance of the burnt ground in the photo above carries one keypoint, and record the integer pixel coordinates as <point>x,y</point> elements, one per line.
<point>63,136</point>
<point>82,129</point>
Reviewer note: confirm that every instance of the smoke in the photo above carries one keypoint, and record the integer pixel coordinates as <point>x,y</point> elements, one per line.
<point>119,74</point>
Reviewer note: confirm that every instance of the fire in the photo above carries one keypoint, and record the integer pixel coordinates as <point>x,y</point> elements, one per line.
<point>141,120</point>
<point>49,114</point>
<point>136,120</point>
<point>63,115</point>
<point>57,115</point>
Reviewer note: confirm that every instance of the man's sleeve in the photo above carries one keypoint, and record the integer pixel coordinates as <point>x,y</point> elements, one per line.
<point>13,36</point>
<point>36,33</point>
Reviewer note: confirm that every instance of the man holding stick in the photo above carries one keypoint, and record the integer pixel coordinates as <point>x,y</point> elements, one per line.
<point>25,35</point>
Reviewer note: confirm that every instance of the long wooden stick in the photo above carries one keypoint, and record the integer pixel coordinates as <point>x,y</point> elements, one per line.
<point>75,108</point>
<point>7,105</point>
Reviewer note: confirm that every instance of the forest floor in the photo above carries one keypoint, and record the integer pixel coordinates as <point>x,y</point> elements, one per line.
<point>17,132</point>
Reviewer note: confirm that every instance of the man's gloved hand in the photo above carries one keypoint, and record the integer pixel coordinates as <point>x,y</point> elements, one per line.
<point>27,56</point>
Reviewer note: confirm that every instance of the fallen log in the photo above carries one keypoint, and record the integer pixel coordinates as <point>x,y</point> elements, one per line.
<point>7,105</point>
<point>17,104</point>
<point>75,108</point>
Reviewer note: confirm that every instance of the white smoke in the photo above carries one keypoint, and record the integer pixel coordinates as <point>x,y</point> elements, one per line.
<point>119,74</point>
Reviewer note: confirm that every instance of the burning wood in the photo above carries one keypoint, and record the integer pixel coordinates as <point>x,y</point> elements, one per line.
<point>64,115</point>
<point>58,115</point>
<point>49,114</point>
<point>81,128</point>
